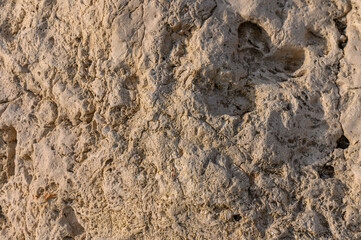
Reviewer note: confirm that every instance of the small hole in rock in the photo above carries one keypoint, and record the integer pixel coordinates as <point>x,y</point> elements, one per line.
<point>327,171</point>
<point>343,142</point>
<point>342,44</point>
<point>51,42</point>
<point>237,217</point>
<point>341,25</point>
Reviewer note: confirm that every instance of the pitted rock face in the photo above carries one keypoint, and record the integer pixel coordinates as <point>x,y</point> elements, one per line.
<point>216,119</point>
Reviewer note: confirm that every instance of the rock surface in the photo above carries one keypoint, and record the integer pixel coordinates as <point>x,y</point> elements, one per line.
<point>184,119</point>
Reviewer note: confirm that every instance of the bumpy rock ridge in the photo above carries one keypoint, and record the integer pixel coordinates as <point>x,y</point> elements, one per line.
<point>185,119</point>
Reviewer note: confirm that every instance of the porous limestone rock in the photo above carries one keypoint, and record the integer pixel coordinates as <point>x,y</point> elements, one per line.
<point>183,119</point>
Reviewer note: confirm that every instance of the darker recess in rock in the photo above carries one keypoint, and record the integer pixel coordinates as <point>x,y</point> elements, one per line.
<point>251,35</point>
<point>69,219</point>
<point>8,141</point>
<point>290,59</point>
<point>343,142</point>
<point>342,44</point>
<point>326,171</point>
<point>341,27</point>
<point>254,44</point>
<point>2,219</point>
<point>236,217</point>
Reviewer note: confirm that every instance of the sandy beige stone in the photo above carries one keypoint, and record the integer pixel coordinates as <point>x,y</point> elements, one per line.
<point>184,119</point>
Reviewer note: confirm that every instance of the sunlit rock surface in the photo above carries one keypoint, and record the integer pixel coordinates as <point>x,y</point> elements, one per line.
<point>184,119</point>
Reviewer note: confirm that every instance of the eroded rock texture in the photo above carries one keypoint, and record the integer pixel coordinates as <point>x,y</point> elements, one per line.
<point>184,119</point>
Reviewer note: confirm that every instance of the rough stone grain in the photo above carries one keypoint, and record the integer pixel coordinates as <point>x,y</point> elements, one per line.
<point>184,119</point>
